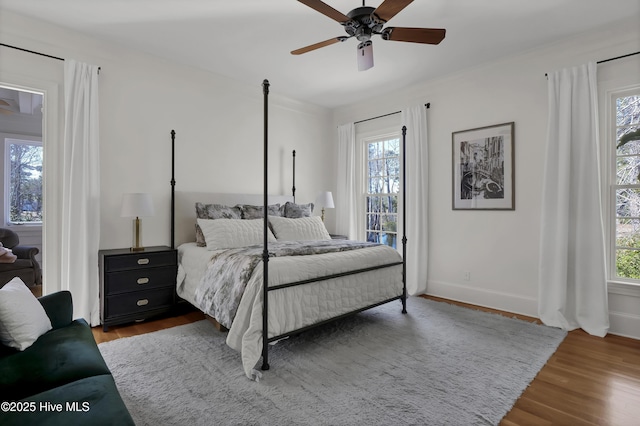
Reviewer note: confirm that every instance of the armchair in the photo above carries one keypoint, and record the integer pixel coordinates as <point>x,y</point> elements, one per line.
<point>26,266</point>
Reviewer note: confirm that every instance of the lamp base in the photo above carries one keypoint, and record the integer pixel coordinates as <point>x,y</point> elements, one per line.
<point>136,234</point>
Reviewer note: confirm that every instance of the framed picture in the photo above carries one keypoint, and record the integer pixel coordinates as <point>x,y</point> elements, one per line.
<point>483,169</point>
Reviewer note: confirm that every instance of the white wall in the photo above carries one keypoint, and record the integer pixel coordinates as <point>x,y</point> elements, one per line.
<point>218,122</point>
<point>500,248</point>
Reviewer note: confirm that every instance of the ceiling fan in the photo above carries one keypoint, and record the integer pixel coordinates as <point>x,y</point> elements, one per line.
<point>364,22</point>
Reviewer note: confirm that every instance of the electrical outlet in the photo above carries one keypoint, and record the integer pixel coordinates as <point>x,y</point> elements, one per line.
<point>467,276</point>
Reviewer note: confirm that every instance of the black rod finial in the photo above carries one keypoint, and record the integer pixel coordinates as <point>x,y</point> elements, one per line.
<point>265,86</point>
<point>404,130</point>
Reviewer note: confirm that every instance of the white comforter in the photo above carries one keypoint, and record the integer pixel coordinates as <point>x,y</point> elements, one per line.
<point>296,307</point>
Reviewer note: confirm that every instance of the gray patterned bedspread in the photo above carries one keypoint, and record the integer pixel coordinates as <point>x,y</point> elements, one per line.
<point>229,271</point>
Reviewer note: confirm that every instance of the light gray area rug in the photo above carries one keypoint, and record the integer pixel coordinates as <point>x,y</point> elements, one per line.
<point>437,365</point>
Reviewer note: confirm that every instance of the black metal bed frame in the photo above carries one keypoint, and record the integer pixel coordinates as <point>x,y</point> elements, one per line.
<point>265,253</point>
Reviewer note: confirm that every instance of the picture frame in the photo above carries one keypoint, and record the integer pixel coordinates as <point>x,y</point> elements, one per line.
<point>483,168</point>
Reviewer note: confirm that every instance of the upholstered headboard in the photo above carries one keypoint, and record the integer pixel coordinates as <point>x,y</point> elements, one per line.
<point>185,210</point>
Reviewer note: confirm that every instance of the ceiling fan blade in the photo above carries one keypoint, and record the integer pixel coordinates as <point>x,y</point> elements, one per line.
<point>318,45</point>
<point>390,8</point>
<point>326,10</point>
<point>414,35</point>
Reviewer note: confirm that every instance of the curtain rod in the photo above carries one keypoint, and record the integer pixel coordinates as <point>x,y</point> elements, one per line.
<point>618,57</point>
<point>31,51</point>
<point>37,53</point>
<point>427,105</point>
<point>612,59</point>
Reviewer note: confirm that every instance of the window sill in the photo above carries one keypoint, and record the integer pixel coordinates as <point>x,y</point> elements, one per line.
<point>625,289</point>
<point>31,227</point>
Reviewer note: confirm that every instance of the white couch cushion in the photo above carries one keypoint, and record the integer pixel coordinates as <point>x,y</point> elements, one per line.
<point>22,317</point>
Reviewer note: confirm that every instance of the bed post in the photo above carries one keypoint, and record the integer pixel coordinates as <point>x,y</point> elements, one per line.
<point>404,219</point>
<point>173,189</point>
<point>265,252</point>
<point>293,189</point>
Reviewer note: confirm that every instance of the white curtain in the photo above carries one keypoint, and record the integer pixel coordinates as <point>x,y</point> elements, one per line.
<point>417,164</point>
<point>572,288</point>
<point>347,191</point>
<point>80,230</point>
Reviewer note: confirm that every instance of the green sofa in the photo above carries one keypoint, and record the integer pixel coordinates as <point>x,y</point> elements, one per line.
<point>62,378</point>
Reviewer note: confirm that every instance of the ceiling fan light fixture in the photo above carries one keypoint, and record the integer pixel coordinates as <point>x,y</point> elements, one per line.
<point>365,55</point>
<point>365,22</point>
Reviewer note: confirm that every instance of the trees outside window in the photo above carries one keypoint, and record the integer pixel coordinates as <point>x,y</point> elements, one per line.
<point>382,189</point>
<point>23,181</point>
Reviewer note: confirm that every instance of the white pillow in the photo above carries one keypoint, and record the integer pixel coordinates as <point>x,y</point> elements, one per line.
<point>300,229</point>
<point>233,233</point>
<point>22,317</point>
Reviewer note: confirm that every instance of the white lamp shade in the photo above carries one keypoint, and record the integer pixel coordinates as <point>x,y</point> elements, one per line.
<point>136,205</point>
<point>325,200</point>
<point>365,55</point>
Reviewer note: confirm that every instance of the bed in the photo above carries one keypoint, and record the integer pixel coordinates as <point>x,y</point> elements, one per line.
<point>312,279</point>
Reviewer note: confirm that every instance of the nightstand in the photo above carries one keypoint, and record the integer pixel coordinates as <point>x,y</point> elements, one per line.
<point>136,285</point>
<point>338,237</point>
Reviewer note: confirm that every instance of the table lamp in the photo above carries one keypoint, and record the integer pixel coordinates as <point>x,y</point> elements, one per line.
<point>136,205</point>
<point>325,200</point>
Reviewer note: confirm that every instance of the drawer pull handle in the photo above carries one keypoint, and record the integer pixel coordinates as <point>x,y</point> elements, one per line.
<point>143,280</point>
<point>143,261</point>
<point>142,302</point>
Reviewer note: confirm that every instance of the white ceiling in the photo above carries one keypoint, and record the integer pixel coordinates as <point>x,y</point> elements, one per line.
<point>249,40</point>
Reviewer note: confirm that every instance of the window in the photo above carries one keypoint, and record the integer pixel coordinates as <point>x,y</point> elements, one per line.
<point>23,181</point>
<point>626,185</point>
<point>382,190</point>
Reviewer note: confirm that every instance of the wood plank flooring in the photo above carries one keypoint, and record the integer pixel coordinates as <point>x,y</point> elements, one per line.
<point>588,381</point>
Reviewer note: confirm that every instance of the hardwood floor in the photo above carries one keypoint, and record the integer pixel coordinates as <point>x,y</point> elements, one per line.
<point>134,329</point>
<point>588,381</point>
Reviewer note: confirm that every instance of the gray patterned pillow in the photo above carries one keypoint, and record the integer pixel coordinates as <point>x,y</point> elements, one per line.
<point>294,211</point>
<point>217,211</point>
<point>200,241</point>
<point>255,212</point>
<point>214,211</point>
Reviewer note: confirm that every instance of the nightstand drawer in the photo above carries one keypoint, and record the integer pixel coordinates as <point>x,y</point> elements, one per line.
<point>139,279</point>
<point>139,302</point>
<point>140,260</point>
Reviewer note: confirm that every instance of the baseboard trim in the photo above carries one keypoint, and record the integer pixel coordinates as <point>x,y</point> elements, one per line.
<point>485,298</point>
<point>624,324</point>
<point>620,323</point>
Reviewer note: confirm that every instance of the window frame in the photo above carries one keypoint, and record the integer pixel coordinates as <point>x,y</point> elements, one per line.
<point>9,139</point>
<point>380,137</point>
<point>612,184</point>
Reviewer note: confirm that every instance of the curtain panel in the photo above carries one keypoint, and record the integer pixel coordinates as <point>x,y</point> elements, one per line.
<point>417,193</point>
<point>347,191</point>
<point>572,269</point>
<point>80,227</point>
